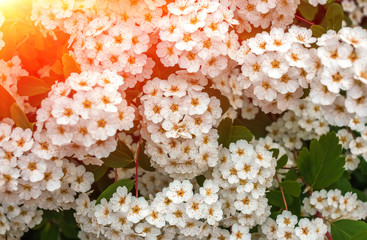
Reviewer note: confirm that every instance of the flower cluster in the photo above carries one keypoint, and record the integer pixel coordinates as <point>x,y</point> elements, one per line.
<point>356,10</point>
<point>227,84</point>
<point>233,196</point>
<point>304,122</point>
<point>333,205</point>
<point>191,106</point>
<point>31,177</point>
<point>287,226</point>
<point>276,67</point>
<point>340,87</point>
<point>178,120</point>
<point>195,35</point>
<point>15,220</point>
<point>82,116</point>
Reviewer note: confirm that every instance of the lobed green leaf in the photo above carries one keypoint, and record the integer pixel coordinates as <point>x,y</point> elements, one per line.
<point>322,165</point>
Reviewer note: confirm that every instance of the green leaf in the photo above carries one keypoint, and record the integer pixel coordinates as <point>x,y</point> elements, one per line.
<point>282,161</point>
<point>49,232</point>
<point>295,207</point>
<point>98,171</point>
<point>291,187</point>
<point>275,152</point>
<point>107,194</point>
<point>317,30</point>
<point>120,158</point>
<point>334,17</point>
<point>275,198</point>
<point>68,225</point>
<point>224,132</point>
<point>239,133</point>
<point>257,125</point>
<point>360,236</point>
<point>342,184</point>
<point>53,215</point>
<point>361,195</point>
<point>363,166</point>
<point>31,86</point>
<point>347,229</point>
<point>322,164</point>
<point>200,180</point>
<point>19,117</point>
<point>307,10</point>
<point>291,175</point>
<point>144,160</point>
<point>69,65</point>
<point>224,102</point>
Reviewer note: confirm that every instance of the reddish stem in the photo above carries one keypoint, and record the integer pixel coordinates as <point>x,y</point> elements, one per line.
<point>136,168</point>
<point>328,235</point>
<point>319,215</point>
<point>304,20</point>
<point>281,190</point>
<point>116,175</point>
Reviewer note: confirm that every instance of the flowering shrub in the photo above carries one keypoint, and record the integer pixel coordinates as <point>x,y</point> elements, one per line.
<point>183,119</point>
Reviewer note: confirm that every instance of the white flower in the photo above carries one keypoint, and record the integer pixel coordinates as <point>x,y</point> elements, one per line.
<point>215,213</point>
<point>120,200</point>
<point>82,204</point>
<point>5,131</point>
<point>179,192</point>
<point>274,64</point>
<point>103,212</point>
<point>277,40</point>
<point>246,203</point>
<point>286,220</point>
<point>241,150</point>
<point>176,215</point>
<point>81,180</point>
<point>197,102</point>
<point>21,140</point>
<point>52,176</point>
<point>239,232</point>
<point>63,111</point>
<point>195,207</point>
<point>305,230</point>
<point>156,216</point>
<point>209,191</point>
<point>32,167</point>
<point>138,209</point>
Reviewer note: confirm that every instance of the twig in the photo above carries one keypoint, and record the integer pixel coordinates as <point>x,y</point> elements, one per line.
<point>116,175</point>
<point>295,155</point>
<point>281,190</point>
<point>136,167</point>
<point>350,131</point>
<point>304,20</point>
<point>319,215</point>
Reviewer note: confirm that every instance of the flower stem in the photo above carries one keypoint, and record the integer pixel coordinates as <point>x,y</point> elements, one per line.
<point>304,20</point>
<point>116,175</point>
<point>281,190</point>
<point>328,235</point>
